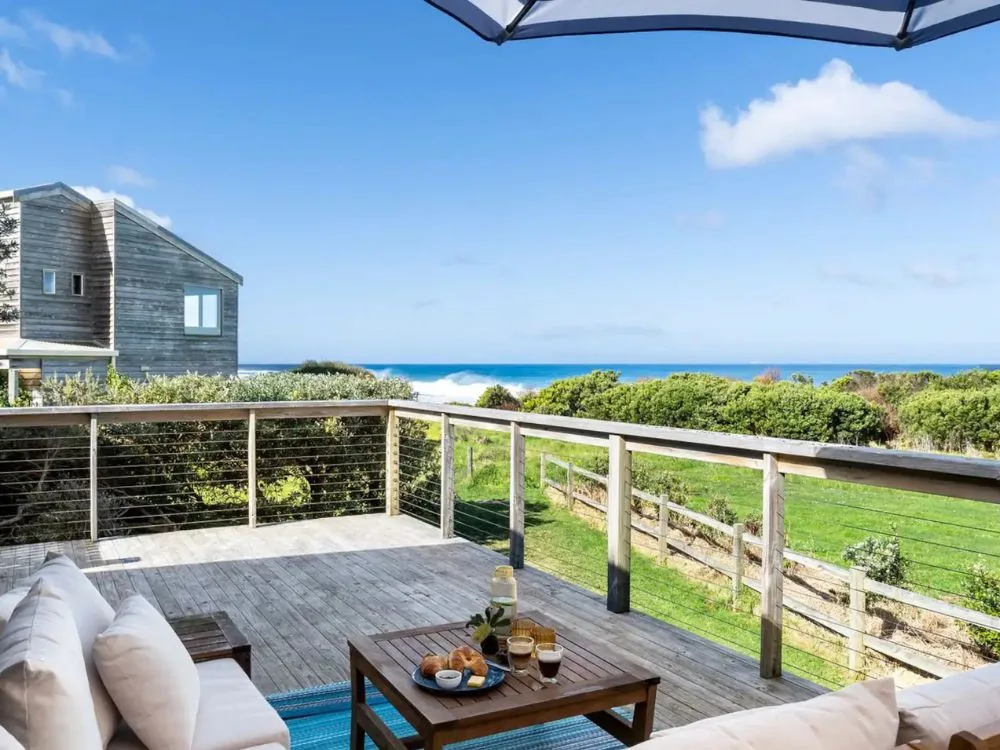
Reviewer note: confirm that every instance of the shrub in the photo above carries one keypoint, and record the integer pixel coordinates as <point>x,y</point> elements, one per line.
<point>983,589</point>
<point>566,397</point>
<point>954,419</point>
<point>788,410</point>
<point>720,509</point>
<point>881,557</point>
<point>753,523</point>
<point>648,478</point>
<point>314,367</point>
<point>498,397</point>
<point>172,474</point>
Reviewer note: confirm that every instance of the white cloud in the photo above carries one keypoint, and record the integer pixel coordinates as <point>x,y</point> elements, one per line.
<point>936,276</point>
<point>16,73</point>
<point>864,175</point>
<point>851,277</point>
<point>97,194</point>
<point>128,176</point>
<point>72,40</point>
<point>10,30</point>
<point>835,107</point>
<point>706,220</point>
<point>65,97</point>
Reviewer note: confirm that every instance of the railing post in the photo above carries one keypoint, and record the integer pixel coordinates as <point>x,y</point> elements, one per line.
<point>664,532</point>
<point>858,622</point>
<point>619,525</point>
<point>772,597</point>
<point>252,469</point>
<point>94,517</point>
<point>447,478</point>
<point>468,462</point>
<point>569,484</point>
<point>516,496</point>
<point>737,562</point>
<point>392,464</point>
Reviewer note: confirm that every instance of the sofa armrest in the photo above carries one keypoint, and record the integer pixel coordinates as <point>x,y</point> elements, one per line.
<point>984,738</point>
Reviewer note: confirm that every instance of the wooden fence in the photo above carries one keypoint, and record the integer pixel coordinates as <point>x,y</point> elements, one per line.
<point>856,579</point>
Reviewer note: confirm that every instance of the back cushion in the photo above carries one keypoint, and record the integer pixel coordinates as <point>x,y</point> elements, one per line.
<point>151,676</point>
<point>860,717</point>
<point>44,695</point>
<point>92,615</point>
<point>932,713</point>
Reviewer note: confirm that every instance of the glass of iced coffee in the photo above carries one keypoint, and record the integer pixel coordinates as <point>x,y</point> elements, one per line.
<point>549,659</point>
<point>519,650</point>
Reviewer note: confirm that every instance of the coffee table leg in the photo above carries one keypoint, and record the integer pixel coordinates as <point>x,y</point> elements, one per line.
<point>357,699</point>
<point>642,719</point>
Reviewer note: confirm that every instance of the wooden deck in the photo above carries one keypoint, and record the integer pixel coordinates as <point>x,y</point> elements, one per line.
<point>299,590</point>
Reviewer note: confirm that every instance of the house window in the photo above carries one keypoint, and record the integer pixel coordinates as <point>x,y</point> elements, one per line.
<point>202,311</point>
<point>77,284</point>
<point>48,282</point>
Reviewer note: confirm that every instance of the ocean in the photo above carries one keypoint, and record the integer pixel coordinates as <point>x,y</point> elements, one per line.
<point>465,382</point>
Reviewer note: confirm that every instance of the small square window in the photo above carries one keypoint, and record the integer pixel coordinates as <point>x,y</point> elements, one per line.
<point>48,282</point>
<point>202,311</point>
<point>77,284</point>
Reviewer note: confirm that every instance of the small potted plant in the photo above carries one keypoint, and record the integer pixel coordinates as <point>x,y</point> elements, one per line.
<point>486,625</point>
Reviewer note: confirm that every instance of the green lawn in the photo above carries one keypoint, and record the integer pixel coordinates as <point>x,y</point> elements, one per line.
<point>940,536</point>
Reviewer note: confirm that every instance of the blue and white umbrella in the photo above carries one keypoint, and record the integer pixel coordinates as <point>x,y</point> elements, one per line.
<point>878,23</point>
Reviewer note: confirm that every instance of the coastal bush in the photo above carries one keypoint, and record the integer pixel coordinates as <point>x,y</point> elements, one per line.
<point>753,523</point>
<point>327,367</point>
<point>952,419</point>
<point>498,397</point>
<point>566,397</point>
<point>983,589</point>
<point>187,474</point>
<point>881,557</point>
<point>721,509</point>
<point>775,409</point>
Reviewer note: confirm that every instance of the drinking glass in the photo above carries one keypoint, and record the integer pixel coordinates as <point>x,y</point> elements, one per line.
<point>549,659</point>
<point>519,649</point>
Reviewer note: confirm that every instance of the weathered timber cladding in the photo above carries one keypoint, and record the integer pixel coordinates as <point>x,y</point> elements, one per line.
<point>102,273</point>
<point>12,269</point>
<point>64,366</point>
<point>56,234</point>
<point>149,278</point>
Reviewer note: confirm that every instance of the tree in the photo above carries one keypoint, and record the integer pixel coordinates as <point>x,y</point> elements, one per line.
<point>498,397</point>
<point>8,249</point>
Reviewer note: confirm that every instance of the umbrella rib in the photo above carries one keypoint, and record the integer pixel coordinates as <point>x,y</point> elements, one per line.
<point>512,26</point>
<point>903,37</point>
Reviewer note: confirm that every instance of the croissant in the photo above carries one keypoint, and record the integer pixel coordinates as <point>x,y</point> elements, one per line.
<point>466,657</point>
<point>431,664</point>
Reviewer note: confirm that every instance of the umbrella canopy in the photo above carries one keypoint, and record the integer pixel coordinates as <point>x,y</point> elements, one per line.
<point>879,23</point>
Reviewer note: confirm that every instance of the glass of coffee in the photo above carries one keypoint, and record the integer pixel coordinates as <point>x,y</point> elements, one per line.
<point>519,650</point>
<point>549,658</point>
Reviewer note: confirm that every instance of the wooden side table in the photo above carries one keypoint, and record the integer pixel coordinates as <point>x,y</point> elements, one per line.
<point>213,636</point>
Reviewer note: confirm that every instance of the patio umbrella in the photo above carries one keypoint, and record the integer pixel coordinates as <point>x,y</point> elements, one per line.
<point>877,23</point>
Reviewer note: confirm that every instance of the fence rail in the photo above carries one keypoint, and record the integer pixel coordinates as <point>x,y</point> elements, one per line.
<point>365,456</point>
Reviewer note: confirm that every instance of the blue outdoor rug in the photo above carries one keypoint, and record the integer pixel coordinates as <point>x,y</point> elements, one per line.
<point>320,718</point>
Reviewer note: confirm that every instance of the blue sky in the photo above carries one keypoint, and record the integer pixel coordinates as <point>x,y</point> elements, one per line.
<point>394,189</point>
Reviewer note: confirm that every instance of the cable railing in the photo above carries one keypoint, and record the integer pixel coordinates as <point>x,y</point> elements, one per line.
<point>833,562</point>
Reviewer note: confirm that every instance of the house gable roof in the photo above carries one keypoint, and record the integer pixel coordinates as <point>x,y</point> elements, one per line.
<point>61,188</point>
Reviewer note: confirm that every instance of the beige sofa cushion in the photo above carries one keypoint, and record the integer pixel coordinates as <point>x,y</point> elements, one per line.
<point>44,693</point>
<point>860,716</point>
<point>92,615</point>
<point>150,675</point>
<point>233,715</point>
<point>932,713</point>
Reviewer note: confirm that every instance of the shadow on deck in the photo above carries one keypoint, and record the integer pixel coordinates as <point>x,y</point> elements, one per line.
<point>299,590</point>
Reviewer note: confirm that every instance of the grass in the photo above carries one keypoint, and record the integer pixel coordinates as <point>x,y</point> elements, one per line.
<point>940,537</point>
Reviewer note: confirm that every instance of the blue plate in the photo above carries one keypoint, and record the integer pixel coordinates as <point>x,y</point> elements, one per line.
<point>494,677</point>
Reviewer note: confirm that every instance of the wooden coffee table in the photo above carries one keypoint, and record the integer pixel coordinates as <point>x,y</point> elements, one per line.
<point>591,683</point>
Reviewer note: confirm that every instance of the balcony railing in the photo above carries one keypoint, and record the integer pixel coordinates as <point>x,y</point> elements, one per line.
<point>101,471</point>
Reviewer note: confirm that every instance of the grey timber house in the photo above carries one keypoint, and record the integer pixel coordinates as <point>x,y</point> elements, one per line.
<point>100,283</point>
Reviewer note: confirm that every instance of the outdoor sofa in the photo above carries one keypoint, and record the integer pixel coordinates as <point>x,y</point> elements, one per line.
<point>74,673</point>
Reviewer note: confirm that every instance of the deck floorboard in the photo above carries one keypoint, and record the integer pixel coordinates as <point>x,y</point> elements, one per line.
<point>299,590</point>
